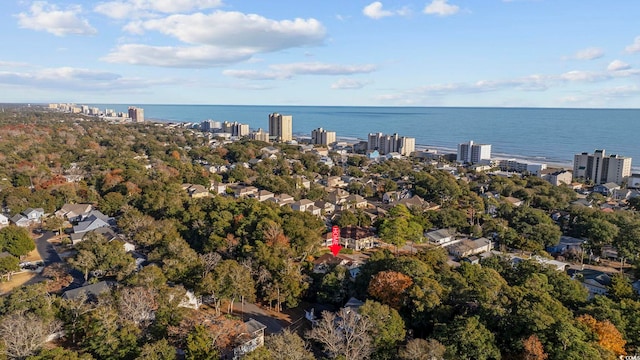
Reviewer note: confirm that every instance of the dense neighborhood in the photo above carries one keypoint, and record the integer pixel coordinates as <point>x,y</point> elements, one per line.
<point>141,240</point>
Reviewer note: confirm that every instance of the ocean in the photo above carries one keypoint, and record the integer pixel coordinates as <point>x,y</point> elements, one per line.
<point>536,134</point>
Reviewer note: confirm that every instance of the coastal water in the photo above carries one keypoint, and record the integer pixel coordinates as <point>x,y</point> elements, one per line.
<point>538,134</point>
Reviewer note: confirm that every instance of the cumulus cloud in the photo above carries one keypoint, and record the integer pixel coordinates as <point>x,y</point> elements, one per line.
<point>635,47</point>
<point>583,76</point>
<point>375,11</point>
<point>588,54</point>
<point>174,56</point>
<point>287,71</point>
<point>235,29</point>
<point>127,9</point>
<point>43,16</point>
<point>441,8</point>
<point>216,39</point>
<point>348,84</point>
<point>69,78</point>
<point>617,65</point>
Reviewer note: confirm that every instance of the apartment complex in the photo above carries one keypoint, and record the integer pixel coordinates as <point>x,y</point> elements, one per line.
<point>386,144</point>
<point>281,127</point>
<point>470,153</point>
<point>522,166</point>
<point>600,168</point>
<point>259,135</point>
<point>136,114</point>
<point>321,136</point>
<point>235,128</point>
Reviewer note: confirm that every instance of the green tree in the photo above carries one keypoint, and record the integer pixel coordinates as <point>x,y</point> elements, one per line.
<point>159,350</point>
<point>387,329</point>
<point>8,265</point>
<point>16,241</point>
<point>620,287</point>
<point>59,353</point>
<point>200,345</point>
<point>468,338</point>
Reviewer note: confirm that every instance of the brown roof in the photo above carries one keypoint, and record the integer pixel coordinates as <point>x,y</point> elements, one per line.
<point>355,232</point>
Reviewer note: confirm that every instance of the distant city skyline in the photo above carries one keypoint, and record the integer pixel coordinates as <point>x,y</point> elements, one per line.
<point>452,53</point>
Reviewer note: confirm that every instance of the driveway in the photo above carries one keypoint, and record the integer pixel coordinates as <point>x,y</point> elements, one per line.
<point>50,256</point>
<point>46,250</point>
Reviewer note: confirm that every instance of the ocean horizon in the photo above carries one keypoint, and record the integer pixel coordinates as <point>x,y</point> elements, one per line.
<point>547,135</point>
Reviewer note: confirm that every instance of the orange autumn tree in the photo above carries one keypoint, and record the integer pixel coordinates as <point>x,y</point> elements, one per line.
<point>389,287</point>
<point>609,337</point>
<point>533,349</point>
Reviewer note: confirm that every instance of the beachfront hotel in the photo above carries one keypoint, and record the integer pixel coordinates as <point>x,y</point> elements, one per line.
<point>470,153</point>
<point>280,127</point>
<point>600,168</point>
<point>321,136</point>
<point>136,114</point>
<point>386,144</point>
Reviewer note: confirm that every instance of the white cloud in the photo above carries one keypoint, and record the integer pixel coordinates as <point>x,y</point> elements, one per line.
<point>238,30</point>
<point>348,84</point>
<point>375,11</point>
<point>317,68</point>
<point>127,9</point>
<point>635,47</point>
<point>441,8</point>
<point>256,75</point>
<point>287,71</point>
<point>173,56</point>
<point>45,17</point>
<point>589,54</point>
<point>68,78</point>
<point>617,65</point>
<point>583,76</point>
<point>218,38</point>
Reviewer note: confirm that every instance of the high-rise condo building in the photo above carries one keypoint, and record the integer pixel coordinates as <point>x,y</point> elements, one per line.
<point>136,114</point>
<point>600,168</point>
<point>470,153</point>
<point>323,137</point>
<point>281,127</point>
<point>210,125</point>
<point>259,135</point>
<point>386,144</point>
<point>235,128</point>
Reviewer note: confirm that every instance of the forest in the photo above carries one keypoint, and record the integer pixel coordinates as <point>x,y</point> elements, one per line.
<point>238,250</point>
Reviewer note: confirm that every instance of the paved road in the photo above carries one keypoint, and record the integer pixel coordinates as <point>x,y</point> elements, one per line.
<point>50,256</point>
<point>273,321</point>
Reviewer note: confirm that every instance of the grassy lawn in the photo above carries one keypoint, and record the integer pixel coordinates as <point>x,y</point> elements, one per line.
<point>33,256</point>
<point>16,281</point>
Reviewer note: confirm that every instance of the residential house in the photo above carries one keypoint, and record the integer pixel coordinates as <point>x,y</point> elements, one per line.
<point>301,182</point>
<point>92,292</point>
<point>313,209</point>
<point>566,244</point>
<point>4,221</point>
<point>335,182</point>
<point>466,247</point>
<point>74,212</point>
<point>513,201</point>
<point>357,237</point>
<point>33,214</point>
<point>105,231</point>
<point>269,150</point>
<point>20,220</point>
<point>441,237</point>
<point>390,197</point>
<point>338,196</point>
<point>326,207</point>
<point>250,339</point>
<point>606,189</point>
<point>324,263</point>
<point>93,221</point>
<point>557,178</point>
<point>282,199</point>
<point>263,195</point>
<point>301,205</point>
<point>596,282</point>
<point>356,201</point>
<point>197,191</point>
<point>218,188</point>
<point>245,191</point>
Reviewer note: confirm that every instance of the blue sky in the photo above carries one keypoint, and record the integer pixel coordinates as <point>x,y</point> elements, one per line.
<point>538,53</point>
